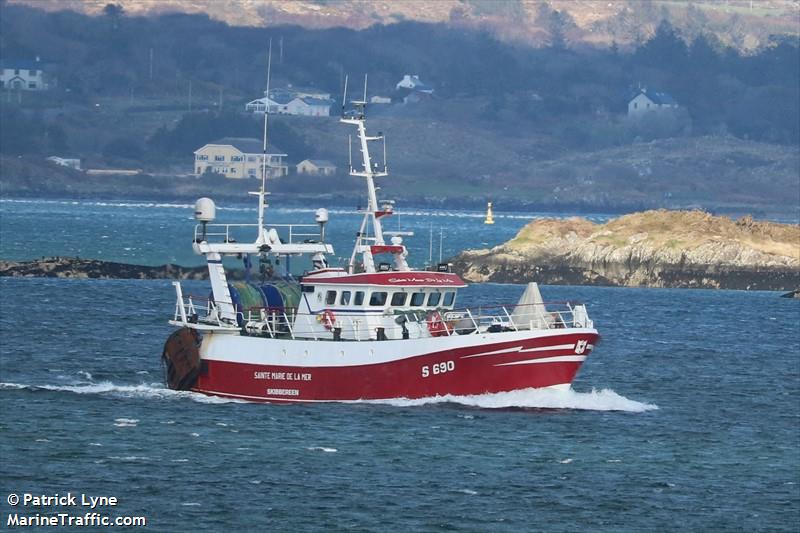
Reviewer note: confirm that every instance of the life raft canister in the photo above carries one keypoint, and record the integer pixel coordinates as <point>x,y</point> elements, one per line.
<point>327,319</point>
<point>436,325</point>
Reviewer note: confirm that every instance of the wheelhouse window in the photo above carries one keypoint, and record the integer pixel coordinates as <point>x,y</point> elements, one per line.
<point>330,297</point>
<point>377,299</point>
<point>399,299</point>
<point>449,298</point>
<point>418,299</point>
<point>345,299</point>
<point>359,298</point>
<point>433,299</point>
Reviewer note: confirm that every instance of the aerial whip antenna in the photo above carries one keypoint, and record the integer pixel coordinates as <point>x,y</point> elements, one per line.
<point>263,192</point>
<point>344,95</point>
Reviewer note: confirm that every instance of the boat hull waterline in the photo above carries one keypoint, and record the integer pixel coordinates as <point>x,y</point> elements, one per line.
<point>281,370</point>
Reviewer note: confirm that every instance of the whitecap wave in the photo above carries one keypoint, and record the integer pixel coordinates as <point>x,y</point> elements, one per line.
<point>321,449</point>
<point>602,400</point>
<point>595,400</point>
<point>143,390</point>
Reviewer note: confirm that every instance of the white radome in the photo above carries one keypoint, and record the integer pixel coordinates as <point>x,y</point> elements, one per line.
<point>205,210</point>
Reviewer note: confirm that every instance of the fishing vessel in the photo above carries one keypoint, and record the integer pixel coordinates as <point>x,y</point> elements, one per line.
<point>373,328</point>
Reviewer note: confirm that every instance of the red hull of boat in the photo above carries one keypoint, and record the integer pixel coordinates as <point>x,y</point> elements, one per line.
<point>477,369</point>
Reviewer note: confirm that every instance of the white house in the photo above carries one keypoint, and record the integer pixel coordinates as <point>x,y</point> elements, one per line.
<point>22,75</point>
<point>643,101</point>
<point>286,102</point>
<point>308,92</point>
<point>66,162</point>
<point>239,157</point>
<point>412,82</point>
<point>316,167</point>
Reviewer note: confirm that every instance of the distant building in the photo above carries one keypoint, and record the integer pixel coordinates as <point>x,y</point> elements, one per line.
<point>23,75</point>
<point>290,102</point>
<point>308,92</point>
<point>66,162</point>
<point>644,101</point>
<point>238,157</point>
<point>316,167</point>
<point>413,83</point>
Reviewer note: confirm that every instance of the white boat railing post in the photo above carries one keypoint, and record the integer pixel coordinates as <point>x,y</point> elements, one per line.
<point>179,303</point>
<point>510,320</point>
<point>288,325</point>
<point>474,322</point>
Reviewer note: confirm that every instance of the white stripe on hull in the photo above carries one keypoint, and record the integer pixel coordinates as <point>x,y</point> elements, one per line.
<point>314,353</point>
<point>556,359</point>
<point>557,387</point>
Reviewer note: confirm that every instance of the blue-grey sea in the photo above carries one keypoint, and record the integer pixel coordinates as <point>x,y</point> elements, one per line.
<point>685,417</point>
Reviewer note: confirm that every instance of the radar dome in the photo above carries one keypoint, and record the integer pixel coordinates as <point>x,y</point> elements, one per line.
<point>321,215</point>
<point>205,210</point>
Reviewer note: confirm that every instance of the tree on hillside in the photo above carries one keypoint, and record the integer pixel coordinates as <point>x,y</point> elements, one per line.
<point>114,12</point>
<point>557,23</point>
<point>664,49</point>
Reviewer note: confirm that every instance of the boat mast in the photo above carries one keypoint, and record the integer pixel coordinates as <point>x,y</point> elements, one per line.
<point>369,172</point>
<point>262,192</point>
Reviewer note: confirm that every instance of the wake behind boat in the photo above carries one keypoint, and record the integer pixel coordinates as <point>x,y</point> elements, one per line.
<point>376,329</point>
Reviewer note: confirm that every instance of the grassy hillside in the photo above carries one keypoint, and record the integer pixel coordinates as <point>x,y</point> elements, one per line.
<point>744,24</point>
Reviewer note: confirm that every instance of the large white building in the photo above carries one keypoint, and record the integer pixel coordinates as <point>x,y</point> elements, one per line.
<point>239,157</point>
<point>22,75</point>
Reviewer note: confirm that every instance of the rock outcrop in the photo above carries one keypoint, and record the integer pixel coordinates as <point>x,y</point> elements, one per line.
<point>650,249</point>
<point>72,267</point>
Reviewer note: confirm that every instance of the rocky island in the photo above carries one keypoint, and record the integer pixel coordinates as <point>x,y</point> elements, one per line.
<point>75,267</point>
<point>657,248</point>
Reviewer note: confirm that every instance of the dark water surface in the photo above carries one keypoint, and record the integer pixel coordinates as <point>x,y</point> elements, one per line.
<point>685,417</point>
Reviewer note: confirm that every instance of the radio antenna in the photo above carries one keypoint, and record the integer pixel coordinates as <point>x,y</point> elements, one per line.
<point>262,192</point>
<point>344,95</point>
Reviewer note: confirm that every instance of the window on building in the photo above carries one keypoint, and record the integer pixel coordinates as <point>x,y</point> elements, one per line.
<point>219,158</point>
<point>359,298</point>
<point>236,158</point>
<point>233,171</point>
<point>31,85</point>
<point>433,299</point>
<point>251,158</point>
<point>345,300</point>
<point>418,299</point>
<point>399,299</point>
<point>202,158</point>
<point>636,105</point>
<point>16,72</point>
<point>377,298</point>
<point>330,297</point>
<point>251,172</point>
<point>199,170</point>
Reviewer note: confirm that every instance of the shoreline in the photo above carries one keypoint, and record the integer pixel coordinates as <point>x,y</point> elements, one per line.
<point>79,268</point>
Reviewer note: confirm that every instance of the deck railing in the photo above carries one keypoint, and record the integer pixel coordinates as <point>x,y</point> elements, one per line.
<point>230,233</point>
<point>332,324</point>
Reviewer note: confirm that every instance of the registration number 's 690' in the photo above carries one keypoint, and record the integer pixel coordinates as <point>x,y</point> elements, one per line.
<point>438,368</point>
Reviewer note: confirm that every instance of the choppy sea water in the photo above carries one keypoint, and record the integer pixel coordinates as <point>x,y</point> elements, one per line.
<point>685,417</point>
